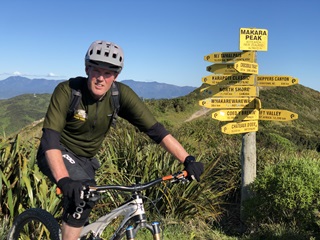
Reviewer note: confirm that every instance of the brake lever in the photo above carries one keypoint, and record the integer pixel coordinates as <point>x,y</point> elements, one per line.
<point>179,177</point>
<point>89,195</point>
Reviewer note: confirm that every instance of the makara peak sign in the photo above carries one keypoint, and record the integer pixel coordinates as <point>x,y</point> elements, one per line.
<point>253,39</point>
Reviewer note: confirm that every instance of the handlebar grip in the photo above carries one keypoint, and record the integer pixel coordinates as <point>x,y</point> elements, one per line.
<point>58,191</point>
<point>184,173</point>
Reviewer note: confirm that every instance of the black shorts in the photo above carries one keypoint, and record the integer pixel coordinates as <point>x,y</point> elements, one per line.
<point>79,168</point>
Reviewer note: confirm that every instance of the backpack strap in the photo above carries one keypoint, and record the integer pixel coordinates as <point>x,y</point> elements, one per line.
<point>115,95</point>
<point>74,102</point>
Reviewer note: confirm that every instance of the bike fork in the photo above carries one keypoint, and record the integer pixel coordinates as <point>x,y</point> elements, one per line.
<point>155,231</point>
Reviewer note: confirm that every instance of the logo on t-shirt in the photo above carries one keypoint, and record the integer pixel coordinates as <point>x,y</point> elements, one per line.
<point>80,115</point>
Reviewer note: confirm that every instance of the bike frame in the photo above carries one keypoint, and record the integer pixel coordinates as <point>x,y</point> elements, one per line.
<point>129,210</point>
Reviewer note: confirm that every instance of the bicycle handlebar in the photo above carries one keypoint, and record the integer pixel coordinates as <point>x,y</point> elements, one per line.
<point>179,176</point>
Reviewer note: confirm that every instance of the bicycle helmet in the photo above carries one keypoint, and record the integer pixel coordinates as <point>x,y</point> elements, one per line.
<point>105,55</point>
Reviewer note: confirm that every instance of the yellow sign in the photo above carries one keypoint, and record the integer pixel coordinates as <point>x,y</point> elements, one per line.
<point>236,115</point>
<point>222,68</point>
<point>249,102</point>
<point>276,81</point>
<point>236,79</point>
<point>230,91</point>
<point>246,67</point>
<point>240,127</point>
<point>253,39</point>
<point>277,115</point>
<point>217,57</point>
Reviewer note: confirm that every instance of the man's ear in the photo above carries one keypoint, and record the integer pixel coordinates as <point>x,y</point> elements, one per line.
<point>87,70</point>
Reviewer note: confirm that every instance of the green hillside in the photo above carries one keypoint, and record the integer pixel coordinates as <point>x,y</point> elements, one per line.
<point>305,131</point>
<point>18,112</point>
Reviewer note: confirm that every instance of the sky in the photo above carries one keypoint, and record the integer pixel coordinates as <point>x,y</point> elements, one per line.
<point>163,41</point>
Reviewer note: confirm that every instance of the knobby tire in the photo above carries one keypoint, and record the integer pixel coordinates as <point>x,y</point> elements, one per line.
<point>33,220</point>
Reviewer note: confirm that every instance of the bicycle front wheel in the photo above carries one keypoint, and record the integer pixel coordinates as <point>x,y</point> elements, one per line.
<point>34,223</point>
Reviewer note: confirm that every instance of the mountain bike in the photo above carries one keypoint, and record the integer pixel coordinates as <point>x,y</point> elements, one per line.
<point>36,223</point>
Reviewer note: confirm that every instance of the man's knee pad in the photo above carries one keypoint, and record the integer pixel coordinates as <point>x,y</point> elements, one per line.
<point>76,216</point>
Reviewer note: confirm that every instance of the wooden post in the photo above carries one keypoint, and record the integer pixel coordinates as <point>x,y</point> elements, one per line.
<point>248,164</point>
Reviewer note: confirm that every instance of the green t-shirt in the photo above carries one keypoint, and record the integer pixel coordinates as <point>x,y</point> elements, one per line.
<point>84,133</point>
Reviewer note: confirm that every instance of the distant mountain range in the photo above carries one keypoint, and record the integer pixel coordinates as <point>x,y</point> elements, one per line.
<point>16,85</point>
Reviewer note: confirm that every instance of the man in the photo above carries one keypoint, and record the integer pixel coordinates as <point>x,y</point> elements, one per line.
<point>69,144</point>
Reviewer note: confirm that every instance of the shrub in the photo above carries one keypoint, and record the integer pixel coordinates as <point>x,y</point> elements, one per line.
<point>286,192</point>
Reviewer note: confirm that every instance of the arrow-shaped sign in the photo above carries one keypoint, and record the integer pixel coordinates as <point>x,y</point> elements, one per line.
<point>276,81</point>
<point>220,57</point>
<point>240,127</point>
<point>246,67</point>
<point>277,115</point>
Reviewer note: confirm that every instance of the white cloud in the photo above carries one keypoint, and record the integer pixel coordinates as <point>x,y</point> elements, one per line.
<point>51,75</point>
<point>16,73</point>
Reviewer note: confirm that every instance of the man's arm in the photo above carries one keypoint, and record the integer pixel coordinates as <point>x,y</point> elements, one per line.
<point>56,164</point>
<point>172,145</point>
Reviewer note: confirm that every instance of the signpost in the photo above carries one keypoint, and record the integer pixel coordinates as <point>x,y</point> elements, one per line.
<point>236,79</point>
<point>246,67</point>
<point>277,115</point>
<point>219,57</point>
<point>276,81</point>
<point>253,39</point>
<point>236,114</point>
<point>234,86</point>
<point>230,91</point>
<point>240,127</point>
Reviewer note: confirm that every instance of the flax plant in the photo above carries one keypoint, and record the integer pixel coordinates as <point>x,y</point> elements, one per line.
<point>22,184</point>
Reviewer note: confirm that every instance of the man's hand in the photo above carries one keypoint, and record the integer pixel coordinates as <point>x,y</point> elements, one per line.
<point>71,189</point>
<point>194,169</point>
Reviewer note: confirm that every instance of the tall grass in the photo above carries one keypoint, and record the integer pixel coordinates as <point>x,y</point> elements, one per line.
<point>22,185</point>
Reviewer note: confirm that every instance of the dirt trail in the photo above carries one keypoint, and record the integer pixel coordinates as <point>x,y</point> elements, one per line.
<point>199,113</point>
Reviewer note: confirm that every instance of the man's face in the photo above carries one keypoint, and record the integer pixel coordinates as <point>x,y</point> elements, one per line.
<point>99,80</point>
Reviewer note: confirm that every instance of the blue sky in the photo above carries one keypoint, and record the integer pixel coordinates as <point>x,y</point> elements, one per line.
<point>163,41</point>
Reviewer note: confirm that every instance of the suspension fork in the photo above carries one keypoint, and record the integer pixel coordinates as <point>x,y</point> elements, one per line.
<point>154,229</point>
